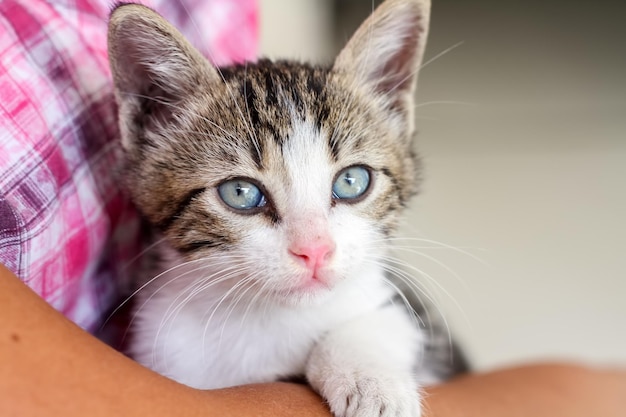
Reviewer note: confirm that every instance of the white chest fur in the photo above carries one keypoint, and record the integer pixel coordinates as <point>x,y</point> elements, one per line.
<point>197,340</point>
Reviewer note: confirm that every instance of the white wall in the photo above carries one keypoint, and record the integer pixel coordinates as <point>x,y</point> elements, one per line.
<point>530,176</point>
<point>299,29</point>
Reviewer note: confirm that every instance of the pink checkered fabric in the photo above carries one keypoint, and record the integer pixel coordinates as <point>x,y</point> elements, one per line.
<point>65,227</point>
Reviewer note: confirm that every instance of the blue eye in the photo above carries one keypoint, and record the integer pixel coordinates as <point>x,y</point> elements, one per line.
<point>241,194</point>
<point>351,183</point>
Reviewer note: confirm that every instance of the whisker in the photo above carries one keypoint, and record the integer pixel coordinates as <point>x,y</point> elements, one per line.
<point>415,317</point>
<point>422,273</point>
<point>426,63</point>
<point>440,54</point>
<point>222,299</point>
<point>258,295</point>
<point>168,312</point>
<point>234,305</point>
<point>436,261</point>
<point>190,292</point>
<point>142,253</point>
<point>142,287</point>
<point>417,290</point>
<point>434,242</point>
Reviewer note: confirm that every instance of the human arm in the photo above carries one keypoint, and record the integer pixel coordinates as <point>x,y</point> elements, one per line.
<point>49,366</point>
<point>541,390</point>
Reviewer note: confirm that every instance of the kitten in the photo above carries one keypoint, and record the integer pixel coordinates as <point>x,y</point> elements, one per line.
<point>273,188</point>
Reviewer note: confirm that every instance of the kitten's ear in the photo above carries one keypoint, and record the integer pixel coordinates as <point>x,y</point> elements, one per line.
<point>386,51</point>
<point>153,65</point>
<point>146,51</point>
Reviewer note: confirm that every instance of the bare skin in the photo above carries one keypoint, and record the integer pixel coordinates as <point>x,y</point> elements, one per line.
<point>49,367</point>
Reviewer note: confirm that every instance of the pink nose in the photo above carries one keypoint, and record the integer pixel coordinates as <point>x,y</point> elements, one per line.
<point>313,256</point>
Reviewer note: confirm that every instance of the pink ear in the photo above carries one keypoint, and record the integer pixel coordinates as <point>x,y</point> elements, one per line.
<point>148,54</point>
<point>386,51</point>
<point>153,65</point>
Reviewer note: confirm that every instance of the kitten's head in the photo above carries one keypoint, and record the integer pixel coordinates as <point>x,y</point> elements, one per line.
<point>287,175</point>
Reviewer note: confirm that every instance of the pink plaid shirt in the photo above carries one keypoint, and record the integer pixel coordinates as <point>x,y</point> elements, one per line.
<point>65,227</point>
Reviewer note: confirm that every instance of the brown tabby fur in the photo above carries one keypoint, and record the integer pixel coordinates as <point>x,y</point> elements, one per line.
<point>184,133</point>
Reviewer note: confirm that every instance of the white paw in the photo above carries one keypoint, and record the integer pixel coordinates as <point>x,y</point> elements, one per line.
<point>364,395</point>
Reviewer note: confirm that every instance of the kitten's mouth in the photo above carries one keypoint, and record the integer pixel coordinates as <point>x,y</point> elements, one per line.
<point>313,284</point>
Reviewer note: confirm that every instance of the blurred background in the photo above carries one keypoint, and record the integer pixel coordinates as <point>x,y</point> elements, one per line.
<point>522,130</point>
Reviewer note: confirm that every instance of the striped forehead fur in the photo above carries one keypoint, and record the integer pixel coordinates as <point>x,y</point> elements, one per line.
<point>246,122</point>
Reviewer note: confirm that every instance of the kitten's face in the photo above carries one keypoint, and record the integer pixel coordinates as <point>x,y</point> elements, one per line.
<point>284,178</point>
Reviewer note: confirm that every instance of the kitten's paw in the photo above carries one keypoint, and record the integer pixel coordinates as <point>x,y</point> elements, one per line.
<point>359,395</point>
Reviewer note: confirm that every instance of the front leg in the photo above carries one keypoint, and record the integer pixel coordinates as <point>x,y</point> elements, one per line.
<point>366,367</point>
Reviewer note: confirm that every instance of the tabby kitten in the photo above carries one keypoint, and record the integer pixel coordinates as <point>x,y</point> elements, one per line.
<point>273,188</point>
